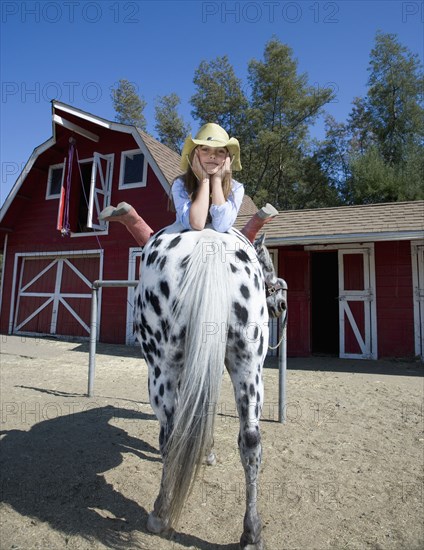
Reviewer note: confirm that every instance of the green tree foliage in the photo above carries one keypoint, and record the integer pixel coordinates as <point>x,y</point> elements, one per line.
<point>170,126</point>
<point>282,107</point>
<point>128,105</point>
<point>219,97</point>
<point>272,124</point>
<point>377,155</point>
<point>394,103</point>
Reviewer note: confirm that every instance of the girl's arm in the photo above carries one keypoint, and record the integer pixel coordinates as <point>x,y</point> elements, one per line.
<point>224,215</point>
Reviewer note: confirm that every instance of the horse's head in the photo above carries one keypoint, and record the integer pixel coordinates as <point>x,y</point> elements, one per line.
<point>275,287</point>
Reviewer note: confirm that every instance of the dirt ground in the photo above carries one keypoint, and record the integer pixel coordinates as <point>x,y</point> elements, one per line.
<point>344,472</point>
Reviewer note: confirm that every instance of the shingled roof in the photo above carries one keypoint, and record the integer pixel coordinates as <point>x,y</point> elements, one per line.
<point>387,221</point>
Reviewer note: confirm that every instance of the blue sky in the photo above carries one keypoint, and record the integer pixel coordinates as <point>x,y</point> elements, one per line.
<point>77,50</point>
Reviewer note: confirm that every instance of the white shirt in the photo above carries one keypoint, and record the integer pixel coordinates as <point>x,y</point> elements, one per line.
<point>223,216</point>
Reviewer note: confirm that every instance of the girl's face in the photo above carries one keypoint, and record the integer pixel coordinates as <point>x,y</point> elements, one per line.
<point>211,158</point>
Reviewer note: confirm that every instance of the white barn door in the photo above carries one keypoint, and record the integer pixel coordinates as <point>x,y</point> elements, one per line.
<point>101,178</point>
<point>417,250</point>
<point>357,308</point>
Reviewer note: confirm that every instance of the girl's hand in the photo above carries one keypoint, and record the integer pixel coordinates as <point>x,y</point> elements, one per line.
<point>222,172</point>
<point>198,169</point>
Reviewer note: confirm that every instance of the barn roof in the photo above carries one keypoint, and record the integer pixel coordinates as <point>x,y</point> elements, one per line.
<point>387,221</point>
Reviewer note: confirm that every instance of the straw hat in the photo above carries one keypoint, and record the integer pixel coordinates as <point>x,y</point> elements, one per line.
<point>212,135</point>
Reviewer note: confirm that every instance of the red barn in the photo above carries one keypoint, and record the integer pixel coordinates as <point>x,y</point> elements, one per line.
<point>356,279</point>
<point>355,274</point>
<point>47,277</point>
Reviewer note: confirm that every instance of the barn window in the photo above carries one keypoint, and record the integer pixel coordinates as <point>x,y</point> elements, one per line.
<point>55,180</point>
<point>133,169</point>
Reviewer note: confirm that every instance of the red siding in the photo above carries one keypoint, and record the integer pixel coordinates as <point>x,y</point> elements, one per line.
<point>294,267</point>
<point>395,317</point>
<point>33,220</point>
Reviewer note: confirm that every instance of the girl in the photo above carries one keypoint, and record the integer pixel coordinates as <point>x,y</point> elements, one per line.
<point>206,193</point>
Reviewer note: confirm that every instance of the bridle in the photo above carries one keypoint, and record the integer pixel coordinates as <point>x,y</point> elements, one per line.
<point>271,289</point>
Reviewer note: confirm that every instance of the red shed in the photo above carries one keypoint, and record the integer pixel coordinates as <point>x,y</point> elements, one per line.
<point>356,279</point>
<point>47,277</point>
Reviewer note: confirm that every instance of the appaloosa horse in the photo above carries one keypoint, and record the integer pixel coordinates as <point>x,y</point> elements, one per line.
<point>202,303</point>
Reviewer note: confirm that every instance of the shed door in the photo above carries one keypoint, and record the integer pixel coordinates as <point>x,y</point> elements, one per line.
<point>418,282</point>
<point>357,312</point>
<point>101,176</point>
<point>53,295</point>
<point>295,269</point>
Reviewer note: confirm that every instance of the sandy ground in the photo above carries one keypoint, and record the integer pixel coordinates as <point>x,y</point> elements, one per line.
<point>345,471</point>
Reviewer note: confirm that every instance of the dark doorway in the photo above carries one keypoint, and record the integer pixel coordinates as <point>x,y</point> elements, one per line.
<point>324,302</point>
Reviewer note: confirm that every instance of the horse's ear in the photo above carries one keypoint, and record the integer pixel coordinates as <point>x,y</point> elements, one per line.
<point>260,241</point>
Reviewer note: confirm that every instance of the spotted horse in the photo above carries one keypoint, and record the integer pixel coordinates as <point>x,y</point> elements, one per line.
<point>201,303</point>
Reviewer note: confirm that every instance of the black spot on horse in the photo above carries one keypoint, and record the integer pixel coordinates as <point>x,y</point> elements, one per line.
<point>161,263</point>
<point>154,300</point>
<point>247,269</point>
<point>255,333</point>
<point>240,344</point>
<point>241,312</point>
<point>174,242</point>
<point>152,257</point>
<point>152,346</point>
<point>256,281</point>
<point>242,255</point>
<point>157,372</point>
<point>156,243</point>
<point>164,287</point>
<point>161,390</point>
<point>261,345</point>
<point>178,356</point>
<point>252,390</point>
<point>233,268</point>
<point>245,292</point>
<point>158,336</point>
<point>145,324</point>
<point>252,439</point>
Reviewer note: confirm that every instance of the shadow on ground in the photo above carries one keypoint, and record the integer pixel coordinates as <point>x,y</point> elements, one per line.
<point>54,473</point>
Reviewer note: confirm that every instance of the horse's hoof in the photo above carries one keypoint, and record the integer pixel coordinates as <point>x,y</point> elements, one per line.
<point>156,525</point>
<point>210,460</point>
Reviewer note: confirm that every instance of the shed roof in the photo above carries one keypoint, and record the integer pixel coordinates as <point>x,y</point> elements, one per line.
<point>386,221</point>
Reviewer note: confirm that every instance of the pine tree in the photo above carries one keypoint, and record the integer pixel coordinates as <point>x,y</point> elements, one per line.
<point>282,106</point>
<point>128,105</point>
<point>170,127</point>
<point>219,97</point>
